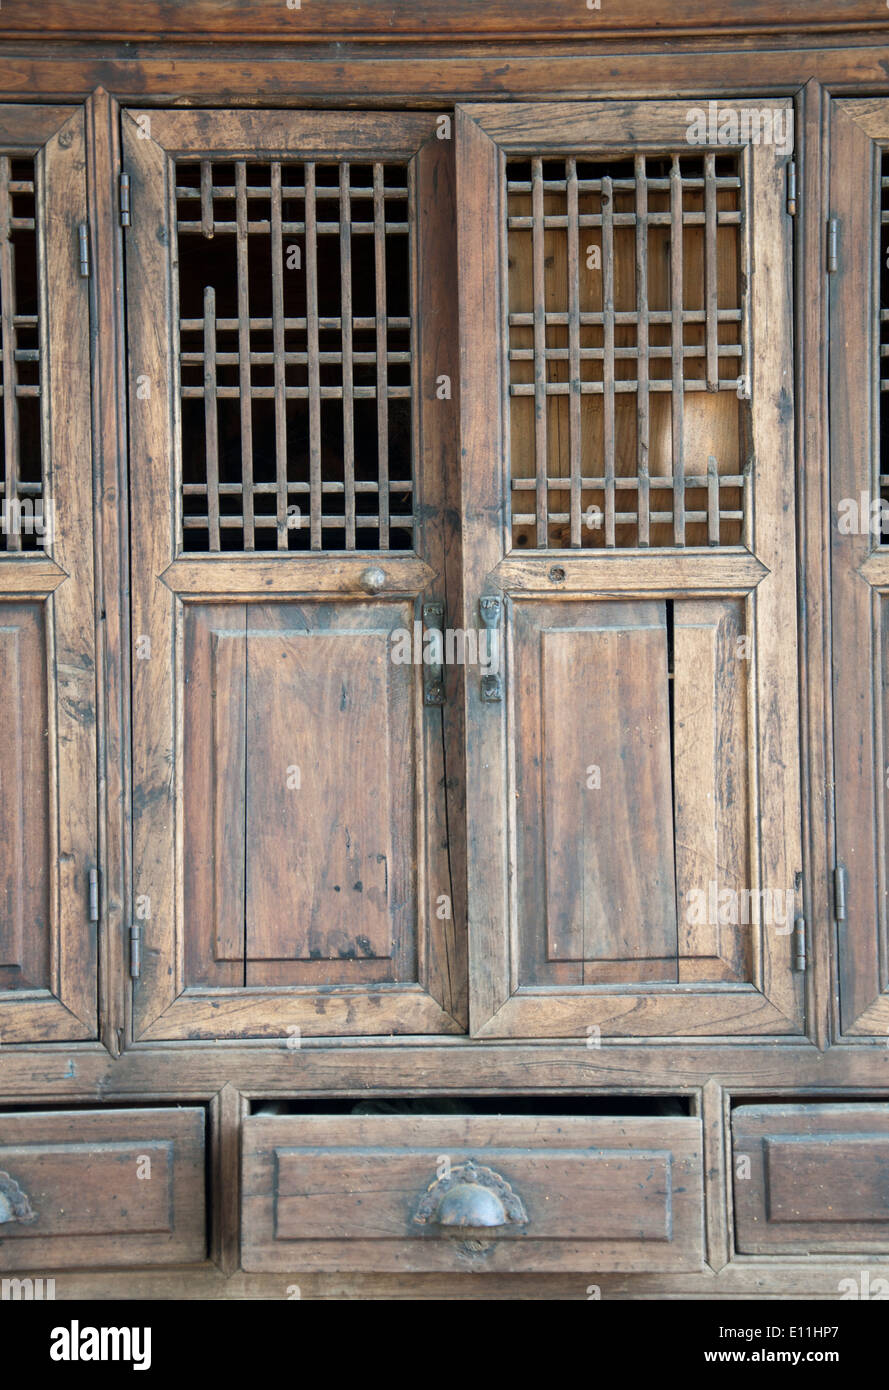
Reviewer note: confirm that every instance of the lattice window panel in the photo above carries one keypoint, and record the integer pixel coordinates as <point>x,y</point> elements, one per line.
<point>627,351</point>
<point>295,349</point>
<point>884,339</point>
<point>24,518</point>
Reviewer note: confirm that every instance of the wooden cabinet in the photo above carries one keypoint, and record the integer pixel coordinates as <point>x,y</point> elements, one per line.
<point>297,529</point>
<point>48,822</point>
<point>442,647</point>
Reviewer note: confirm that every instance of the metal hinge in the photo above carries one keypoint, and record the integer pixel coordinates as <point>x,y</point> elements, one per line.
<point>839,893</point>
<point>833,241</point>
<point>800,956</point>
<point>84,249</point>
<point>125,200</point>
<point>135,952</point>
<point>791,188</point>
<point>94,895</point>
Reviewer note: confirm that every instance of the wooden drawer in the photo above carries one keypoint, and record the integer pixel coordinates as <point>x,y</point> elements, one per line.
<point>96,1188</point>
<point>398,1193</point>
<point>818,1178</point>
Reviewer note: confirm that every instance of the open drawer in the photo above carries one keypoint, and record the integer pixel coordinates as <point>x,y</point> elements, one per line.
<point>93,1188</point>
<point>811,1178</point>
<point>494,1192</point>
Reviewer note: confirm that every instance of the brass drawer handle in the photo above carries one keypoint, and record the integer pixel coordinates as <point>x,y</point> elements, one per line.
<point>471,1198</point>
<point>14,1204</point>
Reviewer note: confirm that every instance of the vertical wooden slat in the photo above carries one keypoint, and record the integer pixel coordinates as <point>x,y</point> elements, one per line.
<point>574,351</point>
<point>68,460</point>
<point>540,449</point>
<point>678,403</point>
<point>348,369</point>
<point>712,502</point>
<point>710,782</point>
<point>278,348</point>
<point>7,343</point>
<point>211,422</point>
<point>244,373</point>
<point>207,198</point>
<point>382,343</point>
<point>314,378</point>
<point>608,353</point>
<point>642,394</point>
<point>711,271</point>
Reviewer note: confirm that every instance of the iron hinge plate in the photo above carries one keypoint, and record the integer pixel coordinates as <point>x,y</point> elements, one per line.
<point>791,188</point>
<point>839,893</point>
<point>135,952</point>
<point>125,216</point>
<point>94,895</point>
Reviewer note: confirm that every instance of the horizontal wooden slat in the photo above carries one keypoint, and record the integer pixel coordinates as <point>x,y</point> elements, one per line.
<point>306,134</point>
<point>629,572</point>
<point>463,19</point>
<point>319,573</point>
<point>331,1011</point>
<point>600,125</point>
<point>25,128</point>
<point>26,574</point>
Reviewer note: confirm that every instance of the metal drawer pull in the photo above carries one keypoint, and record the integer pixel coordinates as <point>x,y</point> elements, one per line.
<point>470,1198</point>
<point>14,1204</point>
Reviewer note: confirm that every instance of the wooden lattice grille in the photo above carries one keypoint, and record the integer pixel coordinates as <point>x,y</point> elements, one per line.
<point>24,519</point>
<point>296,356</point>
<point>627,342</point>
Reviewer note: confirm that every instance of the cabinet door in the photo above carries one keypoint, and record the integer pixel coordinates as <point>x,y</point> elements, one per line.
<point>291,342</point>
<point>859,379</point>
<point>628,518</point>
<point>47,651</point>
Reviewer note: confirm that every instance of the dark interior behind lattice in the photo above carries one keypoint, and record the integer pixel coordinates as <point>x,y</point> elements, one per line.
<point>363,452</point>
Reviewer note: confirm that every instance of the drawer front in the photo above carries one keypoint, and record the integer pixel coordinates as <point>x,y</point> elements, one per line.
<point>89,1188</point>
<point>499,1193</point>
<point>816,1178</point>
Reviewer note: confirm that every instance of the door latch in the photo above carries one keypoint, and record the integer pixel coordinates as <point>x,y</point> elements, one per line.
<point>433,676</point>
<point>490,609</point>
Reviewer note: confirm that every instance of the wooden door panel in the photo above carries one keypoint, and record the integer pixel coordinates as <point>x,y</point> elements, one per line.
<point>290,446</point>
<point>859,563</point>
<point>48,837</point>
<point>628,494</point>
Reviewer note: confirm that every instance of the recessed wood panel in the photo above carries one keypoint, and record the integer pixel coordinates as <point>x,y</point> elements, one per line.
<point>605,708</point>
<point>24,798</point>
<point>594,820</point>
<point>326,769</point>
